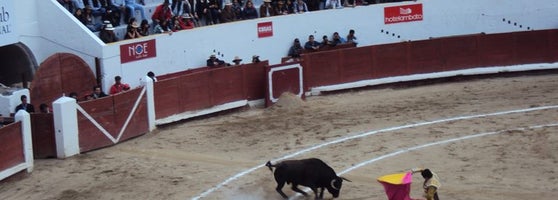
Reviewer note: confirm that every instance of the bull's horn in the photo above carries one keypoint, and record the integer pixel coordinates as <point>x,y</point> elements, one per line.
<point>332,185</point>
<point>345,179</point>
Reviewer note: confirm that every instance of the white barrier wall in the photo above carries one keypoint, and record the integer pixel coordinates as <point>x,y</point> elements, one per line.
<point>188,49</point>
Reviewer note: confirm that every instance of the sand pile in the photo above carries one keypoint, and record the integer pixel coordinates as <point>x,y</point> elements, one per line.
<point>288,102</point>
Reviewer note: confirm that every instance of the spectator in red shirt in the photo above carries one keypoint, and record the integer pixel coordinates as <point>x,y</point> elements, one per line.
<point>118,86</point>
<point>163,12</point>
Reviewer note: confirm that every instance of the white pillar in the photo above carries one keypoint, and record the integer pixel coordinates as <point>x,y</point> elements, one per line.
<point>148,84</point>
<point>66,127</point>
<point>25,119</point>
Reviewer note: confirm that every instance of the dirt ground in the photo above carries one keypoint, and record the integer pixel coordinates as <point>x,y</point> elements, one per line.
<point>410,126</point>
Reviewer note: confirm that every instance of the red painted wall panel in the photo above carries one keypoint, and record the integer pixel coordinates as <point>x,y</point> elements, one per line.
<point>166,97</point>
<point>226,85</point>
<point>496,50</point>
<point>531,47</point>
<point>322,68</point>
<point>254,80</point>
<point>390,60</point>
<point>11,146</point>
<point>44,142</point>
<point>552,53</point>
<point>123,105</point>
<point>424,57</point>
<point>194,92</point>
<point>357,64</point>
<point>459,52</point>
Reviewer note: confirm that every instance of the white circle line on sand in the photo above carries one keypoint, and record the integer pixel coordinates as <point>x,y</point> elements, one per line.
<point>236,176</point>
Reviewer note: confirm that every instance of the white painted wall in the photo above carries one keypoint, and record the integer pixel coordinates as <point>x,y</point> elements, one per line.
<point>47,29</point>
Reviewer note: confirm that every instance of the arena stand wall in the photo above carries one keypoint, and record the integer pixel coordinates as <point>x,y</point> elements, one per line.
<point>185,94</point>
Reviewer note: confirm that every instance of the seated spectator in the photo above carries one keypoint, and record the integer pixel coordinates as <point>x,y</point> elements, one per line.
<point>300,7</point>
<point>89,20</point>
<point>249,11</point>
<point>177,24</point>
<point>162,12</point>
<point>68,4</point>
<point>228,14</point>
<point>266,10</point>
<point>96,7</point>
<point>214,11</point>
<point>333,4</point>
<point>79,15</point>
<point>118,86</point>
<point>255,59</point>
<point>162,27</point>
<point>312,44</point>
<point>327,42</point>
<point>281,9</point>
<point>213,61</point>
<point>97,93</point>
<point>295,50</point>
<point>202,14</point>
<point>237,8</point>
<point>44,108</point>
<point>337,39</point>
<point>177,7</point>
<point>151,75</point>
<point>113,13</point>
<point>290,6</point>
<point>145,28</point>
<point>187,21</point>
<point>107,35</point>
<point>313,5</point>
<point>24,105</point>
<point>351,38</point>
<point>132,6</point>
<point>120,4</point>
<point>132,31</point>
<point>237,60</point>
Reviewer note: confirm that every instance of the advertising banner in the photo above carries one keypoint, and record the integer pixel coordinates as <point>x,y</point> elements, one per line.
<point>137,51</point>
<point>404,13</point>
<point>8,34</point>
<point>265,29</point>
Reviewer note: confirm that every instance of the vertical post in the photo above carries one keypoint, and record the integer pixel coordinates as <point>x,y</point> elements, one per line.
<point>147,82</point>
<point>66,127</point>
<point>25,119</point>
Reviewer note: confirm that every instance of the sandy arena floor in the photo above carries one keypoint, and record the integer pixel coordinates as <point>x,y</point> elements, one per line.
<point>512,157</point>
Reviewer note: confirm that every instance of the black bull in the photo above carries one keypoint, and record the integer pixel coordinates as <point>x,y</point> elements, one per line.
<point>312,173</point>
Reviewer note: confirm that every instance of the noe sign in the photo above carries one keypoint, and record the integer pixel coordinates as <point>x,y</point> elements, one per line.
<point>265,29</point>
<point>137,51</point>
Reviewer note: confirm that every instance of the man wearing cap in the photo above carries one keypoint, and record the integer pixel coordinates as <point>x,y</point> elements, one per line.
<point>228,14</point>
<point>213,61</point>
<point>266,10</point>
<point>107,34</point>
<point>255,59</point>
<point>237,60</point>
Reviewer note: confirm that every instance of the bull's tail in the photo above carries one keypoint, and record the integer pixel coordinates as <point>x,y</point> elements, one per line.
<point>268,164</point>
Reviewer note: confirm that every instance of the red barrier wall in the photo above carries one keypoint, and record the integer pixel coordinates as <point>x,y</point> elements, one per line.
<point>111,113</point>
<point>42,132</point>
<point>429,56</point>
<point>11,146</point>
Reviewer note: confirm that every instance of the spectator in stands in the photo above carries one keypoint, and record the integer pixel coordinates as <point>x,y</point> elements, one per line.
<point>338,39</point>
<point>281,9</point>
<point>255,59</point>
<point>295,50</point>
<point>78,4</point>
<point>187,21</point>
<point>162,12</point>
<point>79,15</point>
<point>177,6</point>
<point>96,7</point>
<point>118,86</point>
<point>326,42</point>
<point>145,28</point>
<point>228,14</point>
<point>24,105</point>
<point>333,4</point>
<point>312,44</point>
<point>151,75</point>
<point>249,11</point>
<point>113,12</point>
<point>112,17</point>
<point>313,5</point>
<point>68,5</point>
<point>178,24</point>
<point>107,34</point>
<point>213,61</point>
<point>132,31</point>
<point>97,93</point>
<point>214,10</point>
<point>290,6</point>
<point>237,8</point>
<point>90,20</point>
<point>43,108</point>
<point>162,27</point>
<point>266,10</point>
<point>300,7</point>
<point>132,6</point>
<point>121,5</point>
<point>351,38</point>
<point>202,12</point>
<point>237,60</point>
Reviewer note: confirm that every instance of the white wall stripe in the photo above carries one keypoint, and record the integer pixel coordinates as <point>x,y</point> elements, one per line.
<point>211,190</point>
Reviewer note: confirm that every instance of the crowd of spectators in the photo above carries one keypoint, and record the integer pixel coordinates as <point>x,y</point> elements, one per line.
<point>312,45</point>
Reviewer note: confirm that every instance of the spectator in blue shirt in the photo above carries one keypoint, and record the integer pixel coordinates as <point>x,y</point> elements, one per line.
<point>312,44</point>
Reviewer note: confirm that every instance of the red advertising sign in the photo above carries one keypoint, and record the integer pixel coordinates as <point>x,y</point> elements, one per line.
<point>405,13</point>
<point>137,51</point>
<point>265,29</point>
